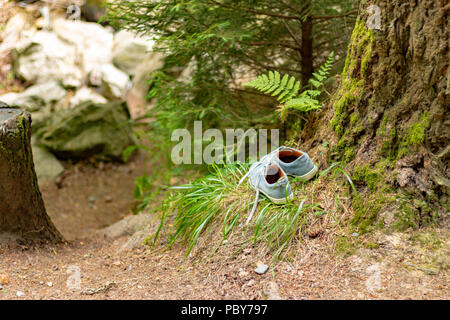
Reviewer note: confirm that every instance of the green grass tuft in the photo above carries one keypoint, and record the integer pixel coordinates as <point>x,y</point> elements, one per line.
<point>216,199</point>
<point>215,204</point>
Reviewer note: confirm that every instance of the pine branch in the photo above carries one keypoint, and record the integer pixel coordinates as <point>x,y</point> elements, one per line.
<point>342,15</point>
<point>265,13</point>
<point>281,44</point>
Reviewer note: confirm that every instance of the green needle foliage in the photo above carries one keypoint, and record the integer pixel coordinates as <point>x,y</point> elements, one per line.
<point>224,40</point>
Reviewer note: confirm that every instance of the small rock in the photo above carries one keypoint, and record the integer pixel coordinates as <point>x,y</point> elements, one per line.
<point>4,279</point>
<point>1,287</point>
<point>116,263</point>
<point>355,234</point>
<point>20,293</point>
<point>261,268</point>
<point>88,291</point>
<point>91,199</point>
<point>108,199</point>
<point>50,284</point>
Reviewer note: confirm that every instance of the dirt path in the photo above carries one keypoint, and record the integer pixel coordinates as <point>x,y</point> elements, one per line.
<point>89,198</point>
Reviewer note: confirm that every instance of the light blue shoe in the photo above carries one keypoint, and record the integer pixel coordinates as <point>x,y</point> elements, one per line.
<point>269,179</point>
<point>293,161</point>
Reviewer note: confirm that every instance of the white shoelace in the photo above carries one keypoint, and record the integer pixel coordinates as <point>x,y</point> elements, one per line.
<point>265,161</point>
<point>262,170</point>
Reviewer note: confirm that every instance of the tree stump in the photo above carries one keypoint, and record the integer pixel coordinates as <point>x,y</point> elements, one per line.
<point>22,212</point>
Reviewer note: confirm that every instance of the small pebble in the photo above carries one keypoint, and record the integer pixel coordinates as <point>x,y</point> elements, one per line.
<point>91,199</point>
<point>20,293</point>
<point>262,268</point>
<point>355,234</point>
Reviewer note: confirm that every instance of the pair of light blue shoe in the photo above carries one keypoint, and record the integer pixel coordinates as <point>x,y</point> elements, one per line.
<point>270,174</point>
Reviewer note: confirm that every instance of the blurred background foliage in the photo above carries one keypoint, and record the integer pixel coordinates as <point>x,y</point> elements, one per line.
<point>213,47</point>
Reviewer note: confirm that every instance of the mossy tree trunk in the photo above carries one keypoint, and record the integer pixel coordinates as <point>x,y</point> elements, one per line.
<point>22,212</point>
<point>390,113</point>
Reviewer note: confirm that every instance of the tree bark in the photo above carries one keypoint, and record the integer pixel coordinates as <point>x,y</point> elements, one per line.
<point>22,212</point>
<point>306,50</point>
<point>390,113</point>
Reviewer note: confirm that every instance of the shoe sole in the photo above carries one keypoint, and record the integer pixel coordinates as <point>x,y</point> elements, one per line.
<point>309,175</point>
<point>278,201</point>
<point>274,200</point>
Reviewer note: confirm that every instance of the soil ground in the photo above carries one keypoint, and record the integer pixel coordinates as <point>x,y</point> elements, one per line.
<point>88,197</point>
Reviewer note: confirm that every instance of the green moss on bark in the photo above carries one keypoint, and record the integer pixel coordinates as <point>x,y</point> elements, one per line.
<point>346,122</point>
<point>348,94</point>
<point>414,136</point>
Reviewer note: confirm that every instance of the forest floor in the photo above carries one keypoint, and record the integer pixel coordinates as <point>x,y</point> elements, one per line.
<point>88,197</point>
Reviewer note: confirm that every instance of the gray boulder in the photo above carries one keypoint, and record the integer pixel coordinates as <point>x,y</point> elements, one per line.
<point>136,228</point>
<point>35,97</point>
<point>89,130</point>
<point>43,57</point>
<point>93,43</point>
<point>114,82</point>
<point>86,94</point>
<point>132,52</point>
<point>45,163</point>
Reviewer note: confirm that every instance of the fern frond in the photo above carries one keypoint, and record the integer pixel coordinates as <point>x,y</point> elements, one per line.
<point>286,89</point>
<point>303,103</point>
<point>283,89</point>
<point>321,75</point>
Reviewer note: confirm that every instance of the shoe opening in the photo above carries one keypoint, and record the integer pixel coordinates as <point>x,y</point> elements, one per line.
<point>273,174</point>
<point>288,156</point>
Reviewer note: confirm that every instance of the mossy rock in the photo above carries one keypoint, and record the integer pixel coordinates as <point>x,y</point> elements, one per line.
<point>89,130</point>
